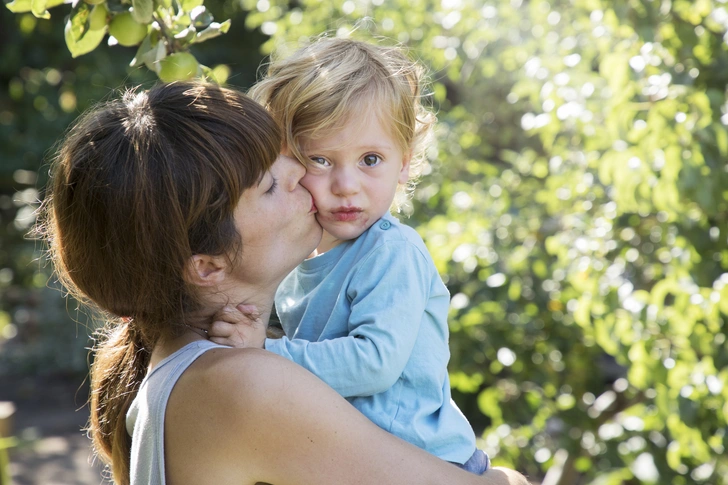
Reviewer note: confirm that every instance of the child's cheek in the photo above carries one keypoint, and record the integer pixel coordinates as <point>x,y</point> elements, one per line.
<point>313,184</point>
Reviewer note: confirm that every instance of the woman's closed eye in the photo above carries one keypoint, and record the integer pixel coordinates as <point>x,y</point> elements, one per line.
<point>371,160</point>
<point>273,186</point>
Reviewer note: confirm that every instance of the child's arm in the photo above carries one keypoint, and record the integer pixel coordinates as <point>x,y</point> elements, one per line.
<point>388,295</point>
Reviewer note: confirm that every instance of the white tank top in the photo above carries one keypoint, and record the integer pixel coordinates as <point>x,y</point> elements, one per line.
<point>145,418</point>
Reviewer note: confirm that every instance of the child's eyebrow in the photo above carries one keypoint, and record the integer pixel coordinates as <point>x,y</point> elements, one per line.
<point>375,146</point>
<point>362,147</point>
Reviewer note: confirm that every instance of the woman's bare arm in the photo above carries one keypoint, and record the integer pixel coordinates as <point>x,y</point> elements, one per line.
<point>269,420</point>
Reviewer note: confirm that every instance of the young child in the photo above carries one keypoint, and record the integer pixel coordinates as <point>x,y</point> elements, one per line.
<point>368,312</point>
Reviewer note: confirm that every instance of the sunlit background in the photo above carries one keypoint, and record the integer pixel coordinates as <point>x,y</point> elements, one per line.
<point>575,205</point>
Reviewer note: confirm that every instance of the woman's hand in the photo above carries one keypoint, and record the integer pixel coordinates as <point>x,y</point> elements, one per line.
<point>240,327</point>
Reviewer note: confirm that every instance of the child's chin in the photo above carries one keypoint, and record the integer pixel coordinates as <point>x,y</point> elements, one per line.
<point>346,234</point>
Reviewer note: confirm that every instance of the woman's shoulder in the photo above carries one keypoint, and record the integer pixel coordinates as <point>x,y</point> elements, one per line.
<point>235,391</point>
<point>242,378</point>
<point>232,393</point>
<point>223,407</point>
<point>233,366</point>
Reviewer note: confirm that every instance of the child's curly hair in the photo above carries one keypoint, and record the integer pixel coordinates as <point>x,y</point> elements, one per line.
<point>313,92</point>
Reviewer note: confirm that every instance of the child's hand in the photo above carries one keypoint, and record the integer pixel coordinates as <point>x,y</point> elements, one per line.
<point>239,327</point>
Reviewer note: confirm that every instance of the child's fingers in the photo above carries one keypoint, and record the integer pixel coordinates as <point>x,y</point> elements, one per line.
<point>249,310</point>
<point>238,314</point>
<point>237,326</point>
<point>222,341</point>
<point>228,314</point>
<point>221,329</point>
<point>234,315</point>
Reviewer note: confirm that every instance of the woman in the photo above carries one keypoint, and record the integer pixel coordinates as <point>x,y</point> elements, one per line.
<point>164,207</point>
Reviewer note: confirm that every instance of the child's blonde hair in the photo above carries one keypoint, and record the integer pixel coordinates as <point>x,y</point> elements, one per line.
<point>314,91</point>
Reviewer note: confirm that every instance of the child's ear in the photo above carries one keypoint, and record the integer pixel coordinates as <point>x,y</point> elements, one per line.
<point>204,270</point>
<point>404,172</point>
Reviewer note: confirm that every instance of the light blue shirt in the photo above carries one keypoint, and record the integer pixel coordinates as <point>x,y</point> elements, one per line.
<point>369,317</point>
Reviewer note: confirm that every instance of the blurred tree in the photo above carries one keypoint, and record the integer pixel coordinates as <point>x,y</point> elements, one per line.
<point>576,208</point>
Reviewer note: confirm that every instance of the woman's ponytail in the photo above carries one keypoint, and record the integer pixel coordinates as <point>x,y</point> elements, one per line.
<point>119,366</point>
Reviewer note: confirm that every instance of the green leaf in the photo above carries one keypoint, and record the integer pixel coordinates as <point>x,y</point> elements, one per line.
<point>201,18</point>
<point>84,43</point>
<point>212,31</point>
<point>142,10</point>
<point>673,456</point>
<point>19,6</point>
<point>514,290</point>
<point>79,21</point>
<point>38,7</point>
<point>582,315</point>
<point>615,68</point>
<point>583,464</point>
<point>186,35</point>
<point>188,5</point>
<point>489,403</point>
<point>150,52</point>
<point>721,139</point>
<point>603,332</point>
<point>640,371</point>
<point>144,53</point>
<point>219,74</point>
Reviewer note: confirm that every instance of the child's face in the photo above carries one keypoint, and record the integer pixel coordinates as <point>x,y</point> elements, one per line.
<point>353,176</point>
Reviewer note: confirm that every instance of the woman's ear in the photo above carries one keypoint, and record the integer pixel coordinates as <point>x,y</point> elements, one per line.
<point>204,270</point>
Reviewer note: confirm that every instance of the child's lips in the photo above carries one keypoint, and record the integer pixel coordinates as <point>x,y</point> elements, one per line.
<point>346,214</point>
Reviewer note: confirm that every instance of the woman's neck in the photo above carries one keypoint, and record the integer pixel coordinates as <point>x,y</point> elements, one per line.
<point>167,346</point>
<point>196,324</point>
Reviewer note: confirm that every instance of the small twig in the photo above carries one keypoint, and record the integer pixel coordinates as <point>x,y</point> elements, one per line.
<point>171,41</point>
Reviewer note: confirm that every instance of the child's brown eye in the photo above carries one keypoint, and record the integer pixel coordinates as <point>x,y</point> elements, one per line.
<point>371,160</point>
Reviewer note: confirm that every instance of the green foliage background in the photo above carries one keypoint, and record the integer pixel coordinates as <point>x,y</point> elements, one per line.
<point>576,207</point>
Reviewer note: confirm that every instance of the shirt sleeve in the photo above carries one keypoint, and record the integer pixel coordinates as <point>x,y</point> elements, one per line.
<point>388,295</point>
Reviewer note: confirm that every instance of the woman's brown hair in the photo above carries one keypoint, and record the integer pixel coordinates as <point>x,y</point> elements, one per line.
<point>139,185</point>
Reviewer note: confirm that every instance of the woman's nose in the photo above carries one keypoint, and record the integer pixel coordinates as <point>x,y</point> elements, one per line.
<point>295,171</point>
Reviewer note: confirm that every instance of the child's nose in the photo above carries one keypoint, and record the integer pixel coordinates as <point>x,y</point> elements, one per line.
<point>345,182</point>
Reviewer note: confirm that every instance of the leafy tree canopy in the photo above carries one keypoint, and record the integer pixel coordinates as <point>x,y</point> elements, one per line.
<point>575,205</point>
